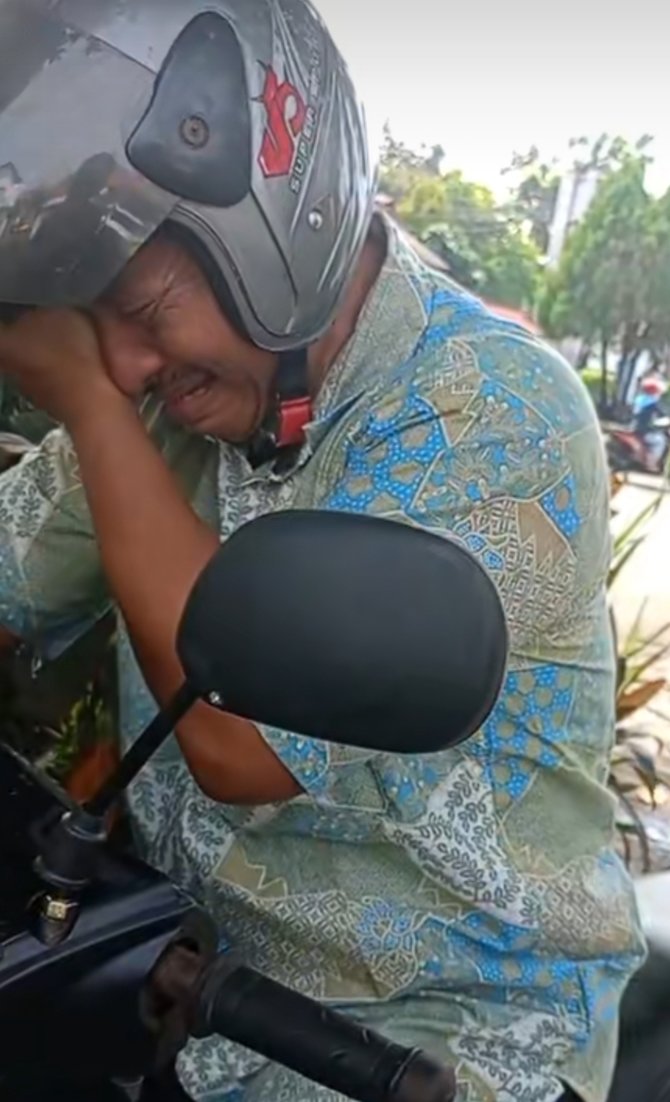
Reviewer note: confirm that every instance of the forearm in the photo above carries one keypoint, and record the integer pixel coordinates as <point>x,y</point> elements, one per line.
<point>152,544</point>
<point>153,548</point>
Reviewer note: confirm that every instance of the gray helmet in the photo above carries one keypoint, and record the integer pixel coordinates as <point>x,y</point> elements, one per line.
<point>235,120</point>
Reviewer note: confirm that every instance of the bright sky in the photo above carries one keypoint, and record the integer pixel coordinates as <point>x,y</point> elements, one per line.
<point>485,77</point>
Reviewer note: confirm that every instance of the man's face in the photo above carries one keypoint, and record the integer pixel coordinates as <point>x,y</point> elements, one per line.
<point>161,328</point>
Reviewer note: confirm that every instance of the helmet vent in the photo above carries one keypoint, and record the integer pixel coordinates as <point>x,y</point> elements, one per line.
<point>195,139</point>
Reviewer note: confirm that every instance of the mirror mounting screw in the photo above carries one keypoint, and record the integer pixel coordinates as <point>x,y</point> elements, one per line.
<point>194,131</point>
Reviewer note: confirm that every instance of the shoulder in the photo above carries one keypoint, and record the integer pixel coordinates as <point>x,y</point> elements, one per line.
<point>496,393</point>
<point>474,355</point>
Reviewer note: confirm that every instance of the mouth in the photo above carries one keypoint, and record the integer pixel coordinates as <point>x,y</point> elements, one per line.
<point>184,392</point>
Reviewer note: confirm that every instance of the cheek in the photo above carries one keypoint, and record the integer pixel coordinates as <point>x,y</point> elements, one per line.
<point>235,407</point>
<point>196,332</point>
<point>198,336</point>
<point>131,358</point>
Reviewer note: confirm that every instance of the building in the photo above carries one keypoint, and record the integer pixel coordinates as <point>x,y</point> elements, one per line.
<point>575,195</point>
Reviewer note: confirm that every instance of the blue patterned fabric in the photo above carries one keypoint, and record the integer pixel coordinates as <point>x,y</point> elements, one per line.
<point>470,901</point>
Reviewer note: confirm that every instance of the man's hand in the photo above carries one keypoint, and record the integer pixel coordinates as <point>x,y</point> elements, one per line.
<point>152,544</point>
<point>153,547</point>
<point>55,359</point>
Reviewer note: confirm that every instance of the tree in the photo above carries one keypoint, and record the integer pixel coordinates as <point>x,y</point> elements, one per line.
<point>657,282</point>
<point>513,271</point>
<point>613,279</point>
<point>607,153</point>
<point>536,180</point>
<point>534,194</point>
<point>485,247</point>
<point>486,251</point>
<point>401,166</point>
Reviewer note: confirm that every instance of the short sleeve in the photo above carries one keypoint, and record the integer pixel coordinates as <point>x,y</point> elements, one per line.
<point>51,581</point>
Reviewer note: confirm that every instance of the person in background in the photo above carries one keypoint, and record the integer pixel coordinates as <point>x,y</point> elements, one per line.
<point>647,408</point>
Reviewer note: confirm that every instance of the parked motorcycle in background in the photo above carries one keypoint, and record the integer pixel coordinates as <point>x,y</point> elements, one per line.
<point>644,444</point>
<point>628,451</point>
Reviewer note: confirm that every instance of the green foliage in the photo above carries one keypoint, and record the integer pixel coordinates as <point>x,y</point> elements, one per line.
<point>598,289</point>
<point>613,282</point>
<point>485,244</point>
<point>656,287</point>
<point>633,535</point>
<point>90,721</point>
<point>607,153</point>
<point>513,272</point>
<point>534,193</point>
<point>637,775</point>
<point>57,712</point>
<point>400,164</point>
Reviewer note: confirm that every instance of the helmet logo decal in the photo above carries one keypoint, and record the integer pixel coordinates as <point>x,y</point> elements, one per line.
<point>286,115</point>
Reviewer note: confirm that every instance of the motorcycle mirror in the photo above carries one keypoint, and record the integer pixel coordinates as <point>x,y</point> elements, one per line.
<point>347,629</point>
<point>343,628</point>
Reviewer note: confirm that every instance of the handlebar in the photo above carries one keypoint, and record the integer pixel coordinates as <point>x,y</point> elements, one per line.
<point>320,1044</point>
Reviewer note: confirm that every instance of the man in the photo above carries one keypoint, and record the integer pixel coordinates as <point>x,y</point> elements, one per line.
<point>296,353</point>
<point>647,408</point>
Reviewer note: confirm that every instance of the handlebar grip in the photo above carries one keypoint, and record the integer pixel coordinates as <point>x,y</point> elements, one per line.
<point>321,1044</point>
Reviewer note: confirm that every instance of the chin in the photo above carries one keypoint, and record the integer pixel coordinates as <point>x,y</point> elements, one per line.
<point>219,428</point>
<point>224,435</point>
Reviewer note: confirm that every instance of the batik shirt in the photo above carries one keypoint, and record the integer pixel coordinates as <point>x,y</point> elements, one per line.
<point>469,901</point>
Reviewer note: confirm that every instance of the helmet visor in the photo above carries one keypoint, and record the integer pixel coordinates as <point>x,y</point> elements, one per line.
<point>72,208</point>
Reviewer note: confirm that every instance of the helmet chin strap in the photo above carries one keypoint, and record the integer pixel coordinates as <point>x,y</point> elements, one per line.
<point>282,433</point>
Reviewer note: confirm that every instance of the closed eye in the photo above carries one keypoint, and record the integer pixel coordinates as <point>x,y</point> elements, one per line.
<point>145,312</point>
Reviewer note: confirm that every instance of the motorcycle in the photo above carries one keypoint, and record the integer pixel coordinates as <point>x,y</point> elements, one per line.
<point>627,451</point>
<point>106,967</point>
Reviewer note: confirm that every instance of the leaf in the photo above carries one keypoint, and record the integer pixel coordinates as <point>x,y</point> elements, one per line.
<point>635,673</point>
<point>632,700</point>
<point>637,522</point>
<point>637,644</point>
<point>617,483</point>
<point>635,826</point>
<point>645,765</point>
<point>621,560</point>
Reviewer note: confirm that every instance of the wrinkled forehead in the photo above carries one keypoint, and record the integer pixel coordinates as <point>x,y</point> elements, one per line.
<point>163,265</point>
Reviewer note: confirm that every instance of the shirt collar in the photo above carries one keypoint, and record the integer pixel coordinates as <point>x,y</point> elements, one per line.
<point>389,329</point>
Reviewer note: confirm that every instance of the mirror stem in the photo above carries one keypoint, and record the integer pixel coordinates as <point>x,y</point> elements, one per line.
<point>141,751</point>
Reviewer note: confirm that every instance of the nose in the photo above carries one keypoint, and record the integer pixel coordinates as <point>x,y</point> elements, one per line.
<point>148,363</point>
<point>132,355</point>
